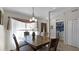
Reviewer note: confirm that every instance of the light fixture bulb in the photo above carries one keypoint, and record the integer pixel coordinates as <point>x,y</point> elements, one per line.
<point>30,19</point>
<point>33,18</point>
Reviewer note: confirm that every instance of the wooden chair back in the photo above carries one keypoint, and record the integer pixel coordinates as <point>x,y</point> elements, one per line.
<point>16,42</point>
<point>53,44</point>
<point>26,33</point>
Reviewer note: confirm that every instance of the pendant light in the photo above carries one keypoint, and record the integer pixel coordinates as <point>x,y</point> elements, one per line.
<point>33,16</point>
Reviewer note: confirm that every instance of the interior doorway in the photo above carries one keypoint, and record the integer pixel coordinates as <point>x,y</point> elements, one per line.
<point>44,28</point>
<point>60,30</point>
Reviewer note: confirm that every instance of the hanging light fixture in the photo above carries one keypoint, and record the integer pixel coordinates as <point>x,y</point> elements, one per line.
<point>33,17</point>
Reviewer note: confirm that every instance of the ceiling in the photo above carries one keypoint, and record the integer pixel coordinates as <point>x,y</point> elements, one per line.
<point>38,11</point>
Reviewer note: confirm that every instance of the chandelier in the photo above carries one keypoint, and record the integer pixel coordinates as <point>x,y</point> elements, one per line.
<point>33,16</point>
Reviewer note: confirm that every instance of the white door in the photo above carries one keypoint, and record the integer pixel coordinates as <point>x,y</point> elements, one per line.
<point>75,32</point>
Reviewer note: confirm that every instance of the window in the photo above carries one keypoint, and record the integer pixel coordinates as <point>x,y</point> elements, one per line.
<point>18,28</point>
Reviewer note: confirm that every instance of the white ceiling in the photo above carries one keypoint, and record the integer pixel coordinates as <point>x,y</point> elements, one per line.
<point>38,11</point>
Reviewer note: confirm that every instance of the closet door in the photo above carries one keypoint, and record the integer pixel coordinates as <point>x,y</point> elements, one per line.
<point>74,32</point>
<point>77,41</point>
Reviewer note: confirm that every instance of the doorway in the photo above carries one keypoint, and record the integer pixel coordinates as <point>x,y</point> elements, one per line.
<point>44,28</point>
<point>60,30</point>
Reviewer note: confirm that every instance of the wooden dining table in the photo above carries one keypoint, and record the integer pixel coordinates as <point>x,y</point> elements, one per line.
<point>38,42</point>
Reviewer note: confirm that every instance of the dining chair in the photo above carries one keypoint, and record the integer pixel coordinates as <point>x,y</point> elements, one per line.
<point>16,43</point>
<point>53,44</point>
<point>21,48</point>
<point>25,36</point>
<point>26,33</point>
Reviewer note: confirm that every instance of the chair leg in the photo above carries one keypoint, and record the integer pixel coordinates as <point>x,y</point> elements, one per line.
<point>17,49</point>
<point>55,49</point>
